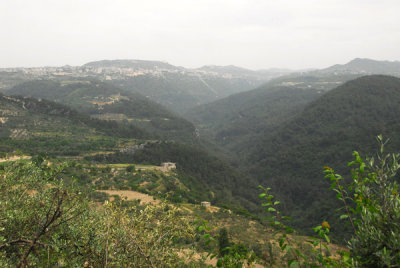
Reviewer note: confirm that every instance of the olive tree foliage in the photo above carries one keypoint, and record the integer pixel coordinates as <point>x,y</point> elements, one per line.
<point>372,207</point>
<point>37,214</point>
<point>44,222</point>
<point>135,236</point>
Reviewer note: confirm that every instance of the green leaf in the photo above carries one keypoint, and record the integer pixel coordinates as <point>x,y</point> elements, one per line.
<point>289,230</point>
<point>327,238</point>
<point>362,167</point>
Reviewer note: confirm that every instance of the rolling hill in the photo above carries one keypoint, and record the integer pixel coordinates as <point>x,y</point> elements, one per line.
<point>104,101</point>
<point>39,126</point>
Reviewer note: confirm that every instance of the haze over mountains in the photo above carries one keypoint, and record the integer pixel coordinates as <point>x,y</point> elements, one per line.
<point>175,87</point>
<point>240,117</point>
<point>181,89</point>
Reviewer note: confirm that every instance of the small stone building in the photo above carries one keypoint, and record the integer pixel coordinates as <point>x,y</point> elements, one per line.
<point>167,166</point>
<point>205,204</point>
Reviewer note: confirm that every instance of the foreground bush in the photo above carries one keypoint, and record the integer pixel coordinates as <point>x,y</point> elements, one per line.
<point>46,223</point>
<point>372,208</point>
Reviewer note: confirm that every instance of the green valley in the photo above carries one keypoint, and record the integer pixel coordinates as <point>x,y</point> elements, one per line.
<point>130,160</point>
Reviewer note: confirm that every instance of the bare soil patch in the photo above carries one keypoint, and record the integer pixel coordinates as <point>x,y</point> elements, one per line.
<point>132,195</point>
<point>14,158</point>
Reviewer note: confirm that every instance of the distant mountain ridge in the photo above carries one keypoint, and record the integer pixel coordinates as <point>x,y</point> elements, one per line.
<point>333,76</point>
<point>135,64</point>
<point>181,89</point>
<point>235,71</point>
<point>177,88</point>
<point>366,66</point>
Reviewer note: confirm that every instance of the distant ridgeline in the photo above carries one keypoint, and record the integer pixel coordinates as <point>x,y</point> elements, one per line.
<point>175,87</point>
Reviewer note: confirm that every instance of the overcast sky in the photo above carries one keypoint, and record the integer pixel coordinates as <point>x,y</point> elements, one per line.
<point>256,34</point>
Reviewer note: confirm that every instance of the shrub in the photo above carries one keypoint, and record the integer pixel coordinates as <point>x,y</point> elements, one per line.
<point>372,206</point>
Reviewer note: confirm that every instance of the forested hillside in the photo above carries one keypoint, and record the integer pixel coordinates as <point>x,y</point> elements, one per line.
<point>235,121</point>
<point>283,136</point>
<point>39,126</point>
<point>105,101</point>
<point>203,172</point>
<point>290,159</point>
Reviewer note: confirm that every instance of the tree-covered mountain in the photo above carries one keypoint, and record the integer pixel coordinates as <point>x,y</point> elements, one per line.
<point>235,121</point>
<point>283,136</point>
<point>347,118</point>
<point>105,101</point>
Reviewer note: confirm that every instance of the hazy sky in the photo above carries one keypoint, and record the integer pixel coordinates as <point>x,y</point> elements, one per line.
<point>249,33</point>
